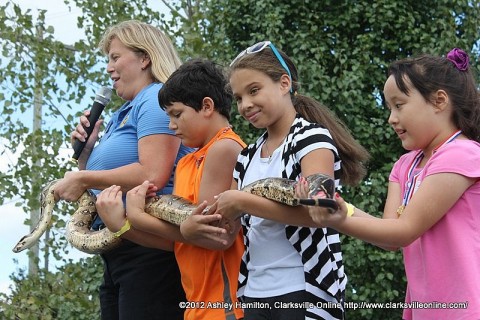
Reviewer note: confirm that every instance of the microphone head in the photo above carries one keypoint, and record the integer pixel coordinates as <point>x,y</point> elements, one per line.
<point>104,95</point>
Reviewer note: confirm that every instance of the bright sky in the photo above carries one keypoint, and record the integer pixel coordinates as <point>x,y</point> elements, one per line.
<point>12,227</point>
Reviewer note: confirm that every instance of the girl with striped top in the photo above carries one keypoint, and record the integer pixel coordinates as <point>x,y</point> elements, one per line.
<point>290,269</point>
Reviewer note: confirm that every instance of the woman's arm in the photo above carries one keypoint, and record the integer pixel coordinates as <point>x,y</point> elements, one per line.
<point>80,134</point>
<point>157,154</point>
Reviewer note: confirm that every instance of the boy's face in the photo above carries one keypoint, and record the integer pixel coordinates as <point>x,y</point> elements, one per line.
<point>186,122</point>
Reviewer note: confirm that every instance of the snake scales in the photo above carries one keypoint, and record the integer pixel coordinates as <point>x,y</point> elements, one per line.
<point>170,208</point>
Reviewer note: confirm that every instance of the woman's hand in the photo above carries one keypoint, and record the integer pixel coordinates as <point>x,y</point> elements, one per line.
<point>201,226</point>
<point>70,188</point>
<point>110,208</point>
<point>81,135</point>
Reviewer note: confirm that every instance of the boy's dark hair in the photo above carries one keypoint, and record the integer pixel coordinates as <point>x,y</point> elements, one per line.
<point>192,82</point>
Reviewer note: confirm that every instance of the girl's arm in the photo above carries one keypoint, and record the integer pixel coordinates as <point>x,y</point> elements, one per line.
<point>393,201</point>
<point>231,204</point>
<point>435,196</point>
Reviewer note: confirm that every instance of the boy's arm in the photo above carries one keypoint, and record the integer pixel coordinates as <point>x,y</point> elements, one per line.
<point>144,222</point>
<point>217,174</point>
<point>148,240</point>
<point>199,229</point>
<point>110,208</point>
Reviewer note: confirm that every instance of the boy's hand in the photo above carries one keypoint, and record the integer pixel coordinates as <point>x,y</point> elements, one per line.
<point>136,200</point>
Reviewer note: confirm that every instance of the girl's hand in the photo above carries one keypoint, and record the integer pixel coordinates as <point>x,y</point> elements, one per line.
<point>200,226</point>
<point>110,208</point>
<point>227,204</point>
<point>323,216</point>
<point>301,188</point>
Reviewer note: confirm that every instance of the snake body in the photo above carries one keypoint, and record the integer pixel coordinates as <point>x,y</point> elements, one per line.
<point>171,208</point>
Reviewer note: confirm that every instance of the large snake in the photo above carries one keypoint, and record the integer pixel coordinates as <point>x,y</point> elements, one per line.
<point>170,208</point>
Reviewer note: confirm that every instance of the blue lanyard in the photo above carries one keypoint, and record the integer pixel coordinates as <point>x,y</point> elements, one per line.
<point>411,181</point>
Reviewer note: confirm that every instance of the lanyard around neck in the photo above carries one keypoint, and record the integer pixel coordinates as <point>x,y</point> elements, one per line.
<point>411,180</point>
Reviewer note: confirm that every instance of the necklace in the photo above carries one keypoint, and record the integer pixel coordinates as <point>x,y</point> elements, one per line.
<point>276,146</point>
<point>267,151</point>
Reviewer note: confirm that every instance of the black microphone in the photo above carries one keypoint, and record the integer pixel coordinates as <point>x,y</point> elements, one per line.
<point>102,98</point>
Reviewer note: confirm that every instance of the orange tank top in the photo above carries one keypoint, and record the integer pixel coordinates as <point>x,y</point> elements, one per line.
<point>209,277</point>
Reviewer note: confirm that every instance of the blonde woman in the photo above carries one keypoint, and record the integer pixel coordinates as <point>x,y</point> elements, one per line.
<point>137,145</point>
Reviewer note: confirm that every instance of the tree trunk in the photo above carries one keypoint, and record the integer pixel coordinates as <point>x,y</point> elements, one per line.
<point>37,127</point>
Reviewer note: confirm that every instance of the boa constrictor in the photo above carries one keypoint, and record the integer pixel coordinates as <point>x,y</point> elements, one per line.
<point>170,208</point>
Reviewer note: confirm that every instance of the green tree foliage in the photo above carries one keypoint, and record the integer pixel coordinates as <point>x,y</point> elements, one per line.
<point>37,66</point>
<point>69,293</point>
<point>341,48</point>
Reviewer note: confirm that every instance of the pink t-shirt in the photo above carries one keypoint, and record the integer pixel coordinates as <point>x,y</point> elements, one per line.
<point>443,265</point>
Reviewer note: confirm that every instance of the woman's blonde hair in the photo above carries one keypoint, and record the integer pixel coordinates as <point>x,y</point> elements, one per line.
<point>146,39</point>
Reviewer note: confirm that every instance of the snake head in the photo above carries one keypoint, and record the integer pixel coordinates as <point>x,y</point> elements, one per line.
<point>320,186</point>
<point>20,246</point>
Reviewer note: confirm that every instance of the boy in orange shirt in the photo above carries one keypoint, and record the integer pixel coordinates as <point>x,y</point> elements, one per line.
<point>199,109</point>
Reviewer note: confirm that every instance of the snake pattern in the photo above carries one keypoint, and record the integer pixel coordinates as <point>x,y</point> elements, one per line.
<point>171,208</point>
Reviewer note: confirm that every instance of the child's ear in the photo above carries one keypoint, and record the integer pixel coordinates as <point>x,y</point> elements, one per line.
<point>441,100</point>
<point>285,83</point>
<point>208,105</point>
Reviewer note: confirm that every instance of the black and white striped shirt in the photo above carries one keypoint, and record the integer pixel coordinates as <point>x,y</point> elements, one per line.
<point>319,248</point>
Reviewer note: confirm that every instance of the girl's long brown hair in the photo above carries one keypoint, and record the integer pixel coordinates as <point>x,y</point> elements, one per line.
<point>352,154</point>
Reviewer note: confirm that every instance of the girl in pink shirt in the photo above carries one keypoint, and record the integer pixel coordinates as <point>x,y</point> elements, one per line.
<point>433,203</point>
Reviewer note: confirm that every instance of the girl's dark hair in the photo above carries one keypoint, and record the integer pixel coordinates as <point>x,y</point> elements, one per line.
<point>428,74</point>
<point>352,154</point>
